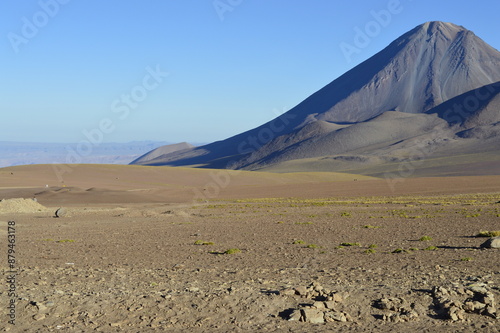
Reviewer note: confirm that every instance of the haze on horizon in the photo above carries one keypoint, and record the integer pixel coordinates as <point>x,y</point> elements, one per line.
<point>199,71</point>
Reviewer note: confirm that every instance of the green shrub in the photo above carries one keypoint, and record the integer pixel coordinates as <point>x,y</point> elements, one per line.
<point>488,234</point>
<point>232,251</point>
<point>200,242</point>
<point>425,238</point>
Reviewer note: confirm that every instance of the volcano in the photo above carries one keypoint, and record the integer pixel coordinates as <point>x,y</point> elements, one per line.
<point>434,88</point>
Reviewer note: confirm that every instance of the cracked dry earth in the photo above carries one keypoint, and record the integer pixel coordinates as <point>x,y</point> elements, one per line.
<point>303,265</point>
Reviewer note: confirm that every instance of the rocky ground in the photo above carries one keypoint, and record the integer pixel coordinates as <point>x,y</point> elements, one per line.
<point>378,264</point>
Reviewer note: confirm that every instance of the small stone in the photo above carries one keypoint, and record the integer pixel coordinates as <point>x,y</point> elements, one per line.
<point>393,318</point>
<point>478,289</point>
<point>330,304</point>
<point>469,307</point>
<point>39,316</point>
<point>296,315</point>
<point>318,288</point>
<point>440,292</point>
<point>313,316</point>
<point>302,291</point>
<point>49,304</point>
<point>61,212</point>
<point>178,266</point>
<point>287,292</point>
<point>335,316</point>
<point>393,304</point>
<point>337,298</point>
<point>319,305</point>
<point>456,314</point>
<point>492,243</point>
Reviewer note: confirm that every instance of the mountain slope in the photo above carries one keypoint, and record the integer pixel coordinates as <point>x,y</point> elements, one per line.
<point>460,136</point>
<point>160,151</point>
<point>420,70</point>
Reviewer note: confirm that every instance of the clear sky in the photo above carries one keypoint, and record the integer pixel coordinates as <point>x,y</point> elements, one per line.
<point>189,70</point>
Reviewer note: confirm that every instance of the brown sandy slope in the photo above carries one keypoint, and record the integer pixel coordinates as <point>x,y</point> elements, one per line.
<point>124,259</point>
<point>83,184</point>
<point>114,184</point>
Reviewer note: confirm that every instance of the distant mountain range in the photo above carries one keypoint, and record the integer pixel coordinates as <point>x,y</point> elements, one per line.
<point>430,96</point>
<point>22,153</point>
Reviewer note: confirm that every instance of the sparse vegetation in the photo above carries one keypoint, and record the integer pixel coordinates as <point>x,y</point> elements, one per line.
<point>431,248</point>
<point>466,259</point>
<point>369,251</point>
<point>312,246</point>
<point>345,214</point>
<point>232,251</point>
<point>425,238</point>
<point>298,241</point>
<point>370,226</point>
<point>200,242</point>
<point>66,241</point>
<point>216,206</point>
<point>488,234</point>
<point>350,244</point>
<point>398,250</point>
<point>372,246</point>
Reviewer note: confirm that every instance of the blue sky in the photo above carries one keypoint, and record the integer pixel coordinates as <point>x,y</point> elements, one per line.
<point>222,66</point>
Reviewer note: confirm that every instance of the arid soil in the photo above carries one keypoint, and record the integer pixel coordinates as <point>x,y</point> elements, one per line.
<point>383,261</point>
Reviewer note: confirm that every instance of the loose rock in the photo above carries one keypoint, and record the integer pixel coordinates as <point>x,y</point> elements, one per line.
<point>61,212</point>
<point>492,243</point>
<point>335,316</point>
<point>313,316</point>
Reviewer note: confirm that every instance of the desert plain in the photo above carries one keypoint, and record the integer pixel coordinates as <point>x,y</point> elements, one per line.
<point>140,249</point>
